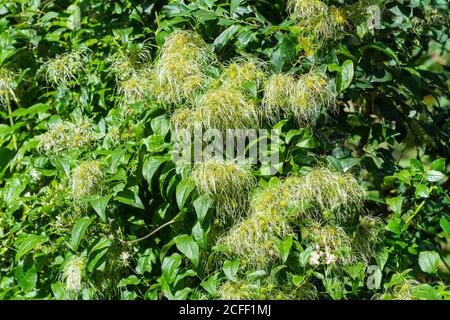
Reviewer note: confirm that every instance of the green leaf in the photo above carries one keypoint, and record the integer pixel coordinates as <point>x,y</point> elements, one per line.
<point>34,109</point>
<point>184,189</point>
<point>284,248</point>
<point>169,267</point>
<point>26,274</point>
<point>78,231</point>
<point>422,191</point>
<point>225,37</point>
<point>201,205</point>
<point>429,261</point>
<point>438,165</point>
<point>99,205</point>
<point>28,243</point>
<point>345,75</point>
<point>230,268</point>
<point>395,203</point>
<point>434,176</point>
<point>395,225</point>
<point>151,165</point>
<point>97,252</point>
<point>144,262</point>
<point>160,125</point>
<point>426,292</point>
<point>131,280</point>
<point>234,5</point>
<point>188,247</point>
<point>210,285</point>
<point>131,198</point>
<point>445,225</point>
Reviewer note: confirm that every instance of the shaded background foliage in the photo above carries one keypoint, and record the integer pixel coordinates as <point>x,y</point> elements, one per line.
<point>391,128</point>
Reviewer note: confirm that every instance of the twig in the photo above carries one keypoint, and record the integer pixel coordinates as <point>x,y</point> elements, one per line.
<point>11,121</point>
<point>153,232</point>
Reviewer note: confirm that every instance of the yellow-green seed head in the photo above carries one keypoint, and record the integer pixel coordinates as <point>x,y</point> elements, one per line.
<point>65,136</point>
<point>136,87</point>
<point>312,93</point>
<point>315,18</point>
<point>227,183</point>
<point>64,68</point>
<point>254,239</point>
<point>73,274</point>
<point>227,108</point>
<point>405,290</point>
<point>185,119</point>
<point>240,71</point>
<point>7,86</point>
<point>276,101</point>
<point>368,235</point>
<point>87,180</point>
<point>180,72</point>
<point>331,244</point>
<point>322,191</point>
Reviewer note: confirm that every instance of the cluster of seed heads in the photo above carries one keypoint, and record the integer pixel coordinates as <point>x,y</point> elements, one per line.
<point>181,70</point>
<point>7,86</point>
<point>227,183</point>
<point>73,274</point>
<point>64,136</point>
<point>135,88</point>
<point>126,62</point>
<point>87,180</point>
<point>302,200</point>
<point>331,244</point>
<point>64,68</point>
<point>240,71</point>
<point>243,289</point>
<point>303,98</point>
<point>405,290</point>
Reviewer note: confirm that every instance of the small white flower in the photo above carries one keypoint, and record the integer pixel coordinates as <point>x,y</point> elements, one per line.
<point>124,256</point>
<point>315,257</point>
<point>412,113</point>
<point>330,258</point>
<point>35,174</point>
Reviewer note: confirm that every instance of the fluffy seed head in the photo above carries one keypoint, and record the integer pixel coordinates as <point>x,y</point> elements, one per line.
<point>312,92</point>
<point>180,72</point>
<point>87,180</point>
<point>276,101</point>
<point>267,290</point>
<point>64,68</point>
<point>405,290</point>
<point>136,87</point>
<point>315,18</point>
<point>185,119</point>
<point>7,86</point>
<point>331,244</point>
<point>322,191</point>
<point>124,63</point>
<point>240,71</point>
<point>254,239</point>
<point>73,274</point>
<point>227,183</point>
<point>65,136</point>
<point>368,235</point>
<point>227,108</point>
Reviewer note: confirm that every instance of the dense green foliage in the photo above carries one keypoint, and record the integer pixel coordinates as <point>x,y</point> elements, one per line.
<point>92,205</point>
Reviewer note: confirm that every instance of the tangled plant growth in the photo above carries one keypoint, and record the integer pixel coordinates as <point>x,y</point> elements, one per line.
<point>94,96</point>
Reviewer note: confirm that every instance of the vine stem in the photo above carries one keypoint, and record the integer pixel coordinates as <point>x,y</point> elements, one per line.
<point>153,232</point>
<point>415,212</point>
<point>11,121</point>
